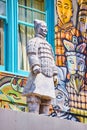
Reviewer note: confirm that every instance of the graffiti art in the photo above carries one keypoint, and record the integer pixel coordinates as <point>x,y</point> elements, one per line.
<point>71,59</point>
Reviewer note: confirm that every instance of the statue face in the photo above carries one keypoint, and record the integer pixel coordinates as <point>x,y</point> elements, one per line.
<point>40,27</point>
<point>43,29</point>
<point>64,10</point>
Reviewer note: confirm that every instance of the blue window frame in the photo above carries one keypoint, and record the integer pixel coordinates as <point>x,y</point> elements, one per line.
<point>3,20</point>
<point>18,29</point>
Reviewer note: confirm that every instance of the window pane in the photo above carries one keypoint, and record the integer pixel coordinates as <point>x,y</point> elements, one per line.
<point>1,43</point>
<point>25,15</point>
<point>2,7</point>
<point>25,33</point>
<point>25,2</point>
<point>30,10</point>
<point>38,4</point>
<point>39,16</point>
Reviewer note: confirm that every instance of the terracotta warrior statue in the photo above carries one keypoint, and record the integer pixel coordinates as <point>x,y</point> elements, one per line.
<point>39,89</point>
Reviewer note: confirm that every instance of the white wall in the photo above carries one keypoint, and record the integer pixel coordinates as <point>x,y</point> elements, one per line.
<point>14,120</point>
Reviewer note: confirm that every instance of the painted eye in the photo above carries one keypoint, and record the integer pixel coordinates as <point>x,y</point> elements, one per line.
<point>59,5</point>
<point>80,63</point>
<point>66,7</point>
<point>59,96</point>
<point>71,61</point>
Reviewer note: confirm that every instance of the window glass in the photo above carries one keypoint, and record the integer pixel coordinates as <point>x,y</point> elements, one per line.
<point>25,14</point>
<point>38,4</point>
<point>28,11</point>
<point>2,7</point>
<point>25,33</point>
<point>31,9</point>
<point>37,15</point>
<point>1,43</point>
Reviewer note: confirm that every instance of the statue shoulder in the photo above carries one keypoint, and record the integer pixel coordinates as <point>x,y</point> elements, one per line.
<point>33,41</point>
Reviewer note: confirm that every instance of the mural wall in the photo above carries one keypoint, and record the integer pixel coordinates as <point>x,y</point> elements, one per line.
<point>11,88</point>
<point>71,59</point>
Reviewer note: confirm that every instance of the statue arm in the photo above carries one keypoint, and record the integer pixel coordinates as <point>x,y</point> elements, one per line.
<point>55,70</point>
<point>32,53</point>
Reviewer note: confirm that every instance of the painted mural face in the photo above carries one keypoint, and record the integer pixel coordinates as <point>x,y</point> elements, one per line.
<point>76,68</point>
<point>61,100</point>
<point>64,10</point>
<point>75,57</point>
<point>76,65</point>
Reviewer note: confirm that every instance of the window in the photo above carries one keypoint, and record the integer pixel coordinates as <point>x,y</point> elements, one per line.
<point>28,11</point>
<point>16,28</point>
<point>3,7</point>
<point>2,34</point>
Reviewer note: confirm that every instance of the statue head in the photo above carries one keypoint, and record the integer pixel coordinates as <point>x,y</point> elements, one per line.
<point>40,27</point>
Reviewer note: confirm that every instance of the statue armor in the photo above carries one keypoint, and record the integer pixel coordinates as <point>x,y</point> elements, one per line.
<point>41,54</point>
<point>41,60</point>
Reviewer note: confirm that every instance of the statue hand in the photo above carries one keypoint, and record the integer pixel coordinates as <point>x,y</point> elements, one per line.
<point>36,69</point>
<point>55,79</point>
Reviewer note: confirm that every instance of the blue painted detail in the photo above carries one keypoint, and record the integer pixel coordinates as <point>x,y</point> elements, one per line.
<point>2,67</point>
<point>25,23</point>
<point>11,45</point>
<point>2,17</point>
<point>23,73</point>
<point>20,73</point>
<point>32,9</point>
<point>1,92</point>
<point>15,35</point>
<point>4,46</point>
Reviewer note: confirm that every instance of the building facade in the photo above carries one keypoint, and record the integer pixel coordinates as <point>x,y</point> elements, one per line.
<point>67,33</point>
